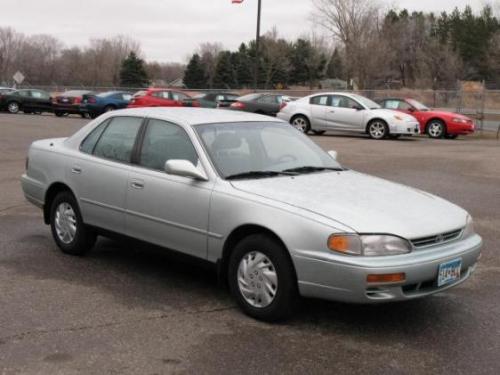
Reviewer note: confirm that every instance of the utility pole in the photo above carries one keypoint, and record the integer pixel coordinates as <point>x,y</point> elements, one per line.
<point>257,49</point>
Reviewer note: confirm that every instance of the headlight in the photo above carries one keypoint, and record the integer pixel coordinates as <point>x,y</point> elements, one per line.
<point>459,120</point>
<point>469,228</point>
<point>368,245</point>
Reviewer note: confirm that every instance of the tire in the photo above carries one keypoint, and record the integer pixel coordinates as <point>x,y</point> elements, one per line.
<point>276,270</point>
<point>59,113</point>
<point>318,132</point>
<point>301,123</point>
<point>436,129</point>
<point>451,136</point>
<point>109,108</point>
<point>71,235</point>
<point>378,129</point>
<point>13,107</point>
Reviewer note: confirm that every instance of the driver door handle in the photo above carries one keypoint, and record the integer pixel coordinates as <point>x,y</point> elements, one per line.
<point>137,184</point>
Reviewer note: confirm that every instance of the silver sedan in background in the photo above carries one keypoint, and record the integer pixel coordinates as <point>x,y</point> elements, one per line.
<point>347,112</point>
<point>277,215</point>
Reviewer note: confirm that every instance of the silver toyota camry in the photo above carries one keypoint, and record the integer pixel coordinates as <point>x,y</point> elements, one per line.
<point>279,217</point>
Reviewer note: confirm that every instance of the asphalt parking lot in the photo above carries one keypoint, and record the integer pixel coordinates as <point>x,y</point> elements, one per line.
<point>129,309</point>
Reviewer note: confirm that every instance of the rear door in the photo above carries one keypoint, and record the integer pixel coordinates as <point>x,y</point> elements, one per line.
<point>100,174</point>
<point>343,114</point>
<point>269,104</point>
<point>319,107</point>
<point>41,101</point>
<point>167,210</point>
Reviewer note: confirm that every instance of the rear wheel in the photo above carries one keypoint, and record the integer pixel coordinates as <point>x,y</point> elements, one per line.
<point>262,278</point>
<point>436,129</point>
<point>378,129</point>
<point>13,107</point>
<point>71,235</point>
<point>301,123</point>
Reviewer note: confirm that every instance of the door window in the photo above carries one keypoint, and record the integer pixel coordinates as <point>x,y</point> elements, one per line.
<point>165,141</point>
<point>117,140</point>
<point>39,95</point>
<point>178,96</point>
<point>345,102</point>
<point>319,100</point>
<point>89,143</point>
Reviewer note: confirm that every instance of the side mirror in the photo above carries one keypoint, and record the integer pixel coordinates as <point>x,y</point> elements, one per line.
<point>333,154</point>
<point>184,168</point>
<point>358,108</point>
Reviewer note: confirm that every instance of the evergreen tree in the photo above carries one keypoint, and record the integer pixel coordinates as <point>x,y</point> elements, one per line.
<point>335,67</point>
<point>244,67</point>
<point>194,75</point>
<point>133,72</point>
<point>224,74</point>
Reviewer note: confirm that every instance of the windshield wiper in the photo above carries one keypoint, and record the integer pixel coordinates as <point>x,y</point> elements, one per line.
<point>311,169</point>
<point>259,174</point>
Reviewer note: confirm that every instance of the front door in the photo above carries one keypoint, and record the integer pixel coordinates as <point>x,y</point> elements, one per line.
<point>344,114</point>
<point>167,210</point>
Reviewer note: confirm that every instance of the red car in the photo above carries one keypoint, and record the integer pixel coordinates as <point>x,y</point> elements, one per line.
<point>157,98</point>
<point>436,124</point>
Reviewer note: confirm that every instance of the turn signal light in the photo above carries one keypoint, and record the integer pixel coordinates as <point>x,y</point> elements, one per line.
<point>386,278</point>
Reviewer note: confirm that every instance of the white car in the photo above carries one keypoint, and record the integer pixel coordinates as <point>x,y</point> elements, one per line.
<point>347,112</point>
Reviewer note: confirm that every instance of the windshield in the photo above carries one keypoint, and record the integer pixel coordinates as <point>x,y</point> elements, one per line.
<point>366,102</point>
<point>240,148</point>
<point>418,106</point>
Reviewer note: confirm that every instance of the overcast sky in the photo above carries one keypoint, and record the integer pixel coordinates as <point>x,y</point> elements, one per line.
<point>169,30</point>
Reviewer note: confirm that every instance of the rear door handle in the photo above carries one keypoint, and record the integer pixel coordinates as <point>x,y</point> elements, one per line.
<point>76,170</point>
<point>137,184</point>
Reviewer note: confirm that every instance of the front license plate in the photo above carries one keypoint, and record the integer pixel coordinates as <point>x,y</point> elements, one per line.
<point>449,272</point>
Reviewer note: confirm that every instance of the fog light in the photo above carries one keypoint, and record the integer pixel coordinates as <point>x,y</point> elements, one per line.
<point>386,278</point>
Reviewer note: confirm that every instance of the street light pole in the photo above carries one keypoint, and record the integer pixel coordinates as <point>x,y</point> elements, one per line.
<point>257,49</point>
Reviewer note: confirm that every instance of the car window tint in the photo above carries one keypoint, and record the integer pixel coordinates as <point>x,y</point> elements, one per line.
<point>345,102</point>
<point>88,143</point>
<point>25,94</point>
<point>268,99</point>
<point>165,141</point>
<point>118,139</point>
<point>319,100</point>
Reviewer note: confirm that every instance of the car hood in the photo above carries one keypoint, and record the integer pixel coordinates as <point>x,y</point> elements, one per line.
<point>389,114</point>
<point>364,203</point>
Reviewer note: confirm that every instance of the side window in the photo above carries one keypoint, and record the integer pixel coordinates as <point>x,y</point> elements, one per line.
<point>25,94</point>
<point>88,143</point>
<point>268,99</point>
<point>158,94</point>
<point>404,106</point>
<point>127,97</point>
<point>37,94</point>
<point>164,141</point>
<point>319,100</point>
<point>117,141</point>
<point>345,102</point>
<point>391,104</point>
<point>177,96</point>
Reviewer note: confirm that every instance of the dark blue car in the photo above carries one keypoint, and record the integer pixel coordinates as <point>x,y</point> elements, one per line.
<point>97,104</point>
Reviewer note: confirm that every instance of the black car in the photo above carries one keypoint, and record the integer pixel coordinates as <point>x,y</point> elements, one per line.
<point>266,104</point>
<point>26,100</point>
<point>69,103</point>
<point>211,100</point>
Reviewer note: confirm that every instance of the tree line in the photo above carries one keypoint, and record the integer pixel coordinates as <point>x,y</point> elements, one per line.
<point>45,60</point>
<point>364,47</point>
<point>361,46</point>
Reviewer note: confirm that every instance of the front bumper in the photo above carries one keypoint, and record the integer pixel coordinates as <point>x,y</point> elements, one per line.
<point>405,128</point>
<point>344,278</point>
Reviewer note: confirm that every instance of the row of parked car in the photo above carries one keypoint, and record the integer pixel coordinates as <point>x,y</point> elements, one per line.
<point>317,113</point>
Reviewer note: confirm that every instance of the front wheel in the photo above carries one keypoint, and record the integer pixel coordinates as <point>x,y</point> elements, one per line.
<point>301,123</point>
<point>13,107</point>
<point>71,235</point>
<point>378,129</point>
<point>436,129</point>
<point>262,279</point>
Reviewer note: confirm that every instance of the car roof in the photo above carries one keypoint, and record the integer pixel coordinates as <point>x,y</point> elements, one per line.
<point>195,116</point>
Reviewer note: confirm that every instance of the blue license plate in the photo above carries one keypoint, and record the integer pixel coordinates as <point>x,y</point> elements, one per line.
<point>449,272</point>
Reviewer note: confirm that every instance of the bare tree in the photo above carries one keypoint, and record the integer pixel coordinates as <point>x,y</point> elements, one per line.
<point>209,53</point>
<point>10,42</point>
<point>352,22</point>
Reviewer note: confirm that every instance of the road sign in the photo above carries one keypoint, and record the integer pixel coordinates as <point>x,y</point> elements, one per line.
<point>18,77</point>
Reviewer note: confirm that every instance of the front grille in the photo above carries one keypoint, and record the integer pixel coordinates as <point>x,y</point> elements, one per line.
<point>436,239</point>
